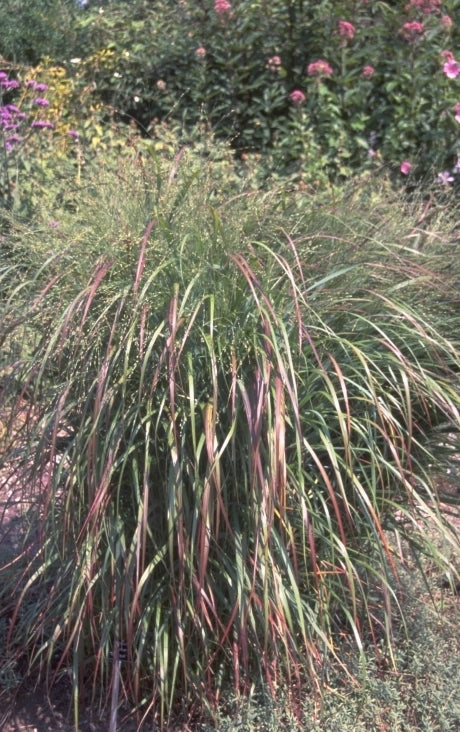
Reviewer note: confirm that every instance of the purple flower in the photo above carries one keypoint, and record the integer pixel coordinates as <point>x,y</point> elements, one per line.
<point>54,224</point>
<point>42,124</point>
<point>3,76</point>
<point>41,87</point>
<point>445,178</point>
<point>32,83</point>
<point>74,134</point>
<point>12,140</point>
<point>405,167</point>
<point>9,84</point>
<point>297,97</point>
<point>40,102</point>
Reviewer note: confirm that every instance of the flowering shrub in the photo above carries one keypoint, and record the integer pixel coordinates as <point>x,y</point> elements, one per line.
<point>320,90</point>
<point>362,85</point>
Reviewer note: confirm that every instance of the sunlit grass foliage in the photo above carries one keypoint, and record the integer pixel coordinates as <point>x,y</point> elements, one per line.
<point>233,402</point>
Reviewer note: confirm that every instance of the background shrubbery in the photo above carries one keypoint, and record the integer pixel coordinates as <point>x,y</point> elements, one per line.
<point>234,69</point>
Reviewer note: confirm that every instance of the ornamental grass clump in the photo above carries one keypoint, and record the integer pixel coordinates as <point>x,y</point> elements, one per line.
<point>233,408</point>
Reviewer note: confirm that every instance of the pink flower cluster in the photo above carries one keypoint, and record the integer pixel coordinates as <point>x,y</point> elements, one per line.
<point>412,30</point>
<point>319,68</point>
<point>368,72</point>
<point>297,97</point>
<point>200,53</point>
<point>273,63</point>
<point>450,67</point>
<point>346,30</point>
<point>424,6</point>
<point>221,7</point>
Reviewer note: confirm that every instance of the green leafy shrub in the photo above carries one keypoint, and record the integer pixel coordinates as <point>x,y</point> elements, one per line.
<point>34,29</point>
<point>233,400</point>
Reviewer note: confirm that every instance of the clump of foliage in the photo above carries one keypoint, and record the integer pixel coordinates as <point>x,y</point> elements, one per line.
<point>234,400</point>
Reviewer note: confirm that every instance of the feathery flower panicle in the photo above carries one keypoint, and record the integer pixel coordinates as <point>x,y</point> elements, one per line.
<point>319,68</point>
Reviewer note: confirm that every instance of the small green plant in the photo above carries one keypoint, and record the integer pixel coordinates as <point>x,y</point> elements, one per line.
<point>235,400</point>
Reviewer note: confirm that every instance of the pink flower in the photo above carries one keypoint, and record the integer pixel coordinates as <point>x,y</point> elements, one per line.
<point>74,134</point>
<point>54,224</point>
<point>297,97</point>
<point>346,29</point>
<point>447,55</point>
<point>451,69</point>
<point>319,68</point>
<point>446,22</point>
<point>200,53</point>
<point>405,167</point>
<point>367,72</point>
<point>221,7</point>
<point>40,102</point>
<point>457,112</point>
<point>273,63</point>
<point>411,31</point>
<point>425,6</point>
